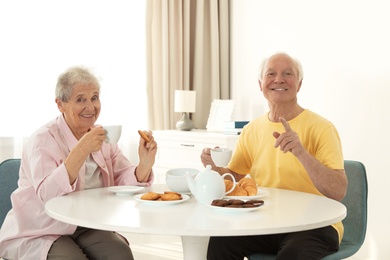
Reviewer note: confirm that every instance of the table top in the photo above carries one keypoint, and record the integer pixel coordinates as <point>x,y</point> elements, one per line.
<point>283,211</point>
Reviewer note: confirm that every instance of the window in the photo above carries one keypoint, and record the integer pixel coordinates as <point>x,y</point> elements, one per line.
<point>42,38</point>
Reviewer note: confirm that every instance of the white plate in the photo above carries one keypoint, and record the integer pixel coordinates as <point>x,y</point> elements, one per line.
<point>234,210</point>
<point>160,202</point>
<point>125,190</point>
<point>260,193</point>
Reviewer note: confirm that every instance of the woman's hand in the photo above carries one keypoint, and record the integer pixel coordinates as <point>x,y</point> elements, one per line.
<point>147,156</point>
<point>93,140</point>
<point>90,142</point>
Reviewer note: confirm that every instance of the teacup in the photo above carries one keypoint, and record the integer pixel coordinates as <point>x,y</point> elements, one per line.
<point>221,156</point>
<point>113,133</point>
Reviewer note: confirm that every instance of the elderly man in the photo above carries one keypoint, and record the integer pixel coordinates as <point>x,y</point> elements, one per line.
<point>290,148</point>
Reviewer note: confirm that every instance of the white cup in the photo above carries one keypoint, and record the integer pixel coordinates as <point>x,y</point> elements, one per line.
<point>113,133</point>
<point>221,156</point>
<point>177,181</point>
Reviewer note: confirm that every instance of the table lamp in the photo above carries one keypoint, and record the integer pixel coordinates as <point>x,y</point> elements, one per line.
<point>185,102</point>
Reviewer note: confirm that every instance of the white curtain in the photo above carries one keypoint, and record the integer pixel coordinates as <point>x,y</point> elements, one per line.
<point>188,49</point>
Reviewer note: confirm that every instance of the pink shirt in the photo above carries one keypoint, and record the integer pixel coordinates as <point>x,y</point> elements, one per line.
<point>28,232</point>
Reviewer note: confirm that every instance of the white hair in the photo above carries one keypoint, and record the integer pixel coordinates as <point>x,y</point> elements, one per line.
<point>264,64</point>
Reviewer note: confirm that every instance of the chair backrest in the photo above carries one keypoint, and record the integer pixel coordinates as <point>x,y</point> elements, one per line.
<point>355,223</point>
<point>9,175</point>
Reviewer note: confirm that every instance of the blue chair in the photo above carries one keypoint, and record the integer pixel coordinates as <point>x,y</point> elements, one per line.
<point>356,221</point>
<point>9,175</point>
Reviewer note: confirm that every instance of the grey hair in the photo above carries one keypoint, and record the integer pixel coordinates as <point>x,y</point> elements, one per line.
<point>298,65</point>
<point>72,76</point>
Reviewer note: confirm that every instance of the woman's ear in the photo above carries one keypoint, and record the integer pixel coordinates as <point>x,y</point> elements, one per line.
<point>60,105</point>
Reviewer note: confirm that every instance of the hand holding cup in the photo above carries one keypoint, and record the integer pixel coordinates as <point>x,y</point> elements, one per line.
<point>221,156</point>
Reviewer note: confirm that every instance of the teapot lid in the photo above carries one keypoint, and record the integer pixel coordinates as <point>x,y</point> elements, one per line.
<point>208,167</point>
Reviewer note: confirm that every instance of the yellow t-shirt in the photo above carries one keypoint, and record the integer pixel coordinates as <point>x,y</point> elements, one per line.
<point>269,167</point>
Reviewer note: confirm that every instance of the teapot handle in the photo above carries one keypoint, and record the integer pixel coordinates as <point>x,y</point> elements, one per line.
<point>233,179</point>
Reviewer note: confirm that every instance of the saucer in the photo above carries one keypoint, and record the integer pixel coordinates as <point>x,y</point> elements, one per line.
<point>125,190</point>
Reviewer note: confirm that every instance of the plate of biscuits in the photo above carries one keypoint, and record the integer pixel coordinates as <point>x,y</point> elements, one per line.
<point>246,189</point>
<point>164,198</point>
<point>236,205</point>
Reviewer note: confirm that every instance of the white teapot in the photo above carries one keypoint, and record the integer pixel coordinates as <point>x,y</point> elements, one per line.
<point>209,185</point>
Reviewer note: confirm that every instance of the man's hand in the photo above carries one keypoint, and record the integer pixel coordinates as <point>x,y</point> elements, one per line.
<point>206,159</point>
<point>289,140</point>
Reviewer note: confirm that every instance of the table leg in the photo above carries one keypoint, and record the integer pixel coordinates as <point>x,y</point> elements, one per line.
<point>194,247</point>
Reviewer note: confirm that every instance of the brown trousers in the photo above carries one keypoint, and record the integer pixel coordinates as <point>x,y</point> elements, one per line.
<point>88,243</point>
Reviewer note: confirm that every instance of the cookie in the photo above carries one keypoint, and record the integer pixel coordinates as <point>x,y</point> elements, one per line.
<point>150,196</point>
<point>170,196</point>
<point>172,192</point>
<point>219,202</point>
<point>236,202</point>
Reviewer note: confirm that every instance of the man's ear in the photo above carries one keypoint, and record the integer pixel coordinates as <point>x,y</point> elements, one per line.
<point>300,84</point>
<point>60,105</point>
<point>261,86</point>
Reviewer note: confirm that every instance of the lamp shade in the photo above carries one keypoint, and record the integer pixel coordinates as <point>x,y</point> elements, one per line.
<point>185,101</point>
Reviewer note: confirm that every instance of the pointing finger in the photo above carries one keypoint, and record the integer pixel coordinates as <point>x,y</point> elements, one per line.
<point>285,124</point>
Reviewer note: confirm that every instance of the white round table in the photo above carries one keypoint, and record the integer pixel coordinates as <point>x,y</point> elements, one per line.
<point>283,211</point>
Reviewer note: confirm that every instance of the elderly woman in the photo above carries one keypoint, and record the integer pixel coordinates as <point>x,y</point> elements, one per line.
<point>70,154</point>
<point>290,148</point>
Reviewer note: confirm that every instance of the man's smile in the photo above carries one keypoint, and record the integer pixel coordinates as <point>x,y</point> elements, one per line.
<point>279,89</point>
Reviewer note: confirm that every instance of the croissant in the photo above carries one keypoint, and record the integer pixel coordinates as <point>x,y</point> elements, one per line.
<point>249,185</point>
<point>228,185</point>
<point>245,187</point>
<point>238,191</point>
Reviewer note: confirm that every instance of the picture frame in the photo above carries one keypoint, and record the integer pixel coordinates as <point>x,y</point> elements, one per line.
<point>221,111</point>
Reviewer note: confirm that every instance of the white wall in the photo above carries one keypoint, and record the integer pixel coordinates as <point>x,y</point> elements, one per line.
<point>42,38</point>
<point>344,49</point>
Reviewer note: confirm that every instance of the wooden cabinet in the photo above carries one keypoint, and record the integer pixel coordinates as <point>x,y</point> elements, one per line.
<point>177,149</point>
